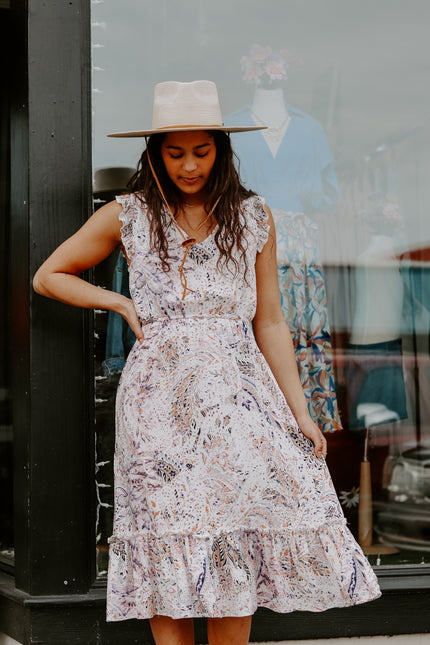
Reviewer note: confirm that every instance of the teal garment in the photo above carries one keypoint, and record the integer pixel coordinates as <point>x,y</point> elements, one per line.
<point>374,374</point>
<point>120,338</point>
<point>301,178</point>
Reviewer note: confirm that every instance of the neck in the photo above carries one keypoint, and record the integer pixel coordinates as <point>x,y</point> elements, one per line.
<point>269,106</point>
<point>194,199</point>
<point>192,203</point>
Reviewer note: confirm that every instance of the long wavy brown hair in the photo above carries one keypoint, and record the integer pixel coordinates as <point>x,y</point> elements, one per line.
<point>224,180</point>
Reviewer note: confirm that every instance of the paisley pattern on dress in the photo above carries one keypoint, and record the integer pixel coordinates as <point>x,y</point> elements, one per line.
<point>221,505</point>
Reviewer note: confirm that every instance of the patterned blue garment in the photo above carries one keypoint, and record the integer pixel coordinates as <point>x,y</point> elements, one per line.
<point>299,181</point>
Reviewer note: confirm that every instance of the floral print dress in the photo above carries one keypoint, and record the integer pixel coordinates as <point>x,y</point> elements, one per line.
<point>304,304</point>
<point>221,505</point>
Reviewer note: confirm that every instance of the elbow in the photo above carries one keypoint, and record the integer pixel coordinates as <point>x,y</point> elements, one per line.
<point>39,284</point>
<point>271,323</point>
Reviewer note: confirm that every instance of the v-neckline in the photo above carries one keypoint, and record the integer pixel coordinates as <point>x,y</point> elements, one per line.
<point>175,228</point>
<point>268,152</point>
<point>265,144</point>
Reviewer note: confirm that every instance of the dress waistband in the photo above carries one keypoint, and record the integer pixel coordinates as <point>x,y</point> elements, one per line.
<point>193,319</point>
<point>193,324</point>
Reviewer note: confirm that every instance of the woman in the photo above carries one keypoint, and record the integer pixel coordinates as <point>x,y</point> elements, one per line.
<point>223,501</point>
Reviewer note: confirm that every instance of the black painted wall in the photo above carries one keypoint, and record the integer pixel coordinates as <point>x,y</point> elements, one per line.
<point>52,382</point>
<point>6,473</point>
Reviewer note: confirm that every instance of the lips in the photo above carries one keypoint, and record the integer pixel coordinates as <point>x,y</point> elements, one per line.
<point>190,180</point>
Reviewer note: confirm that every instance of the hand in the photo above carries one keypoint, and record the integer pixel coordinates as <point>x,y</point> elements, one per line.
<point>128,312</point>
<point>312,432</point>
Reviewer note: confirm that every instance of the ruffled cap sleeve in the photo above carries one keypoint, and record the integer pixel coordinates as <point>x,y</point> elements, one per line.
<point>258,217</point>
<point>128,219</point>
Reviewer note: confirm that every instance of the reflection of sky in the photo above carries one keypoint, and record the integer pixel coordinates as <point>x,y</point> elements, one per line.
<point>379,49</point>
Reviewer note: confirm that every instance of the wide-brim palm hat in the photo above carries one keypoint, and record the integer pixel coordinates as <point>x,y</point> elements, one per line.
<point>186,106</point>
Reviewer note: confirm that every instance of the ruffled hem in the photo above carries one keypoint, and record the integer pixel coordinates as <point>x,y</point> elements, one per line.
<point>233,573</point>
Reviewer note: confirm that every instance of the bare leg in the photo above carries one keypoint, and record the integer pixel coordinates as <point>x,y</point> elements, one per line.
<point>229,631</point>
<point>167,631</point>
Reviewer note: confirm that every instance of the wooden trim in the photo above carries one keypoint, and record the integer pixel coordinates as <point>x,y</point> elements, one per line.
<point>52,371</point>
<point>80,618</point>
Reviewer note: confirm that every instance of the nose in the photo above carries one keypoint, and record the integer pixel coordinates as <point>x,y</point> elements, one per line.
<point>189,163</point>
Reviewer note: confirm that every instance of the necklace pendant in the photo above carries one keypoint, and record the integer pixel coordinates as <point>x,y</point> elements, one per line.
<point>189,242</point>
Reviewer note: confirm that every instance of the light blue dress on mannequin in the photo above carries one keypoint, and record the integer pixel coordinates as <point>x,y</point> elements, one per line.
<point>298,182</point>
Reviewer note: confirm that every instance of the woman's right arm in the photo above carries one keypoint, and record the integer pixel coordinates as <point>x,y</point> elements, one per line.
<point>58,277</point>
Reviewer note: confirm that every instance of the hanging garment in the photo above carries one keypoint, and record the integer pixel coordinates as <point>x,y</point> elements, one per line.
<point>304,303</point>
<point>119,338</point>
<point>374,374</point>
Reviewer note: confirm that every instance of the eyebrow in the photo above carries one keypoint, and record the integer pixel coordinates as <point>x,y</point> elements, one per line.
<point>201,145</point>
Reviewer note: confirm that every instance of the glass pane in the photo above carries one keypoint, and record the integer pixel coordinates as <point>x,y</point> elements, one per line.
<point>344,167</point>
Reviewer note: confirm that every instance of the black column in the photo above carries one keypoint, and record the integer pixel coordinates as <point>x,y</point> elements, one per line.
<point>52,379</point>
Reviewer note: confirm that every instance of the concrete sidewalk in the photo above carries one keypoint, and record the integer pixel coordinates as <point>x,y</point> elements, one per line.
<point>414,639</point>
<point>404,639</point>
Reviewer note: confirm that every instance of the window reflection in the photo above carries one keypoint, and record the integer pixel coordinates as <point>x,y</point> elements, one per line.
<point>344,168</point>
<point>113,341</point>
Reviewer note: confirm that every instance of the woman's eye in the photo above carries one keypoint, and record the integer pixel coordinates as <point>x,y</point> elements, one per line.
<point>175,156</point>
<point>204,154</point>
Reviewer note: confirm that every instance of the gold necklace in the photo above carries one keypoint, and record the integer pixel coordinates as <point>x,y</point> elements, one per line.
<point>188,242</point>
<point>185,218</point>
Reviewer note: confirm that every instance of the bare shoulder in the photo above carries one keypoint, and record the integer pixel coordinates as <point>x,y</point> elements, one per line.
<point>270,216</point>
<point>269,249</point>
<point>106,220</point>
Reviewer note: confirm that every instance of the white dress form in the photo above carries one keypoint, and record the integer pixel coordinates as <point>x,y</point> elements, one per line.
<point>378,294</point>
<point>268,108</point>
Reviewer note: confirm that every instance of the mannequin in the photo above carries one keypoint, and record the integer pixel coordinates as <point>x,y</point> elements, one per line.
<point>374,371</point>
<point>290,165</point>
<point>378,294</point>
<point>268,108</point>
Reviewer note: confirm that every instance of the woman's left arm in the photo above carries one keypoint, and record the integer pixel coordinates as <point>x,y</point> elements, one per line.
<point>274,340</point>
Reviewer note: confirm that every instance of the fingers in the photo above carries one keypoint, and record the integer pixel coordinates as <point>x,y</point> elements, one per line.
<point>137,329</point>
<point>321,447</point>
<point>130,315</point>
<point>138,333</point>
<point>311,430</point>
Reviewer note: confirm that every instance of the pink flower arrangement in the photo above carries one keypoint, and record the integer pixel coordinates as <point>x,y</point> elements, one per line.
<point>262,62</point>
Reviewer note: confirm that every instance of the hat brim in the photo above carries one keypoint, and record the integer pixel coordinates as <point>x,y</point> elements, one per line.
<point>188,128</point>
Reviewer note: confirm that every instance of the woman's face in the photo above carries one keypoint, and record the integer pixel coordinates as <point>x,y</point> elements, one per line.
<point>189,158</point>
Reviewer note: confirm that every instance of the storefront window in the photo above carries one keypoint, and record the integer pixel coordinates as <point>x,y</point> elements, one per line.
<point>344,166</point>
